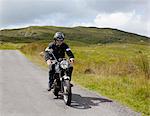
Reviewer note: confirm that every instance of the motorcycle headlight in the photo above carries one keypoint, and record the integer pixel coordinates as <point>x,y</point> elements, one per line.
<point>64,64</point>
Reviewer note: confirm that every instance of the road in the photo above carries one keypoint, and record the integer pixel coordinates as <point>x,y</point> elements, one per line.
<point>23,93</point>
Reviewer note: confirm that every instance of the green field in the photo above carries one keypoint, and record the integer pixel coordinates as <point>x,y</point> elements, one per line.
<point>111,62</point>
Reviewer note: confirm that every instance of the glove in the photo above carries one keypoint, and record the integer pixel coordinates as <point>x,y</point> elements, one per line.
<point>49,62</point>
<point>48,50</point>
<point>71,60</point>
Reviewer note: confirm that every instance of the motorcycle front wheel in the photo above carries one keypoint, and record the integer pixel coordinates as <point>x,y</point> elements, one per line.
<point>67,92</point>
<point>56,87</point>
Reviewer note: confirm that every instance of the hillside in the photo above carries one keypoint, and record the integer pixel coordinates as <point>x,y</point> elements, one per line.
<point>90,35</point>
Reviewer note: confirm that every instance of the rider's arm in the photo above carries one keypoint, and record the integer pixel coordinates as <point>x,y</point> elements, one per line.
<point>69,53</point>
<point>48,56</point>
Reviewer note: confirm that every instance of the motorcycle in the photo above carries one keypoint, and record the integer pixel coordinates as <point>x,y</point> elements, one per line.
<point>61,85</point>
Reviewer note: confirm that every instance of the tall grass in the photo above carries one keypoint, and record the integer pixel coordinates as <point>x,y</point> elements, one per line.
<point>142,61</point>
<point>112,59</point>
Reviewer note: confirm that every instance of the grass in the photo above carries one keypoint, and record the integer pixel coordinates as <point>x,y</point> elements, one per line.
<point>109,59</point>
<point>114,70</point>
<point>10,46</point>
<point>132,92</point>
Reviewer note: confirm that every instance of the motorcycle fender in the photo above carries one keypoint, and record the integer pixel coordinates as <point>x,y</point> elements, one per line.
<point>66,77</point>
<point>65,89</point>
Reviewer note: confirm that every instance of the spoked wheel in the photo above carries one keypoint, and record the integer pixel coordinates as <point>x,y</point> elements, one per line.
<point>67,92</point>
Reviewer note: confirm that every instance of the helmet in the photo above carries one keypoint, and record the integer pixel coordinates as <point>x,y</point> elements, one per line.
<point>59,36</point>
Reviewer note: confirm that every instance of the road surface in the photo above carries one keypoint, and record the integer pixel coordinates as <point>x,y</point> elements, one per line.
<point>23,93</point>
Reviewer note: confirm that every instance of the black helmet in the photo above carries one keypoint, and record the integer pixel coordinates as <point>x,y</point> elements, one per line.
<point>59,36</point>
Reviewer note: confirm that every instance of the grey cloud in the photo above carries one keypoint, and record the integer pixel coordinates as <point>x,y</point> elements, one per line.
<point>65,12</point>
<point>26,11</point>
<point>117,5</point>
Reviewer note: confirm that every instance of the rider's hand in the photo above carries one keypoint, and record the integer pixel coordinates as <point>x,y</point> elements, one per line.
<point>42,54</point>
<point>71,60</point>
<point>49,62</point>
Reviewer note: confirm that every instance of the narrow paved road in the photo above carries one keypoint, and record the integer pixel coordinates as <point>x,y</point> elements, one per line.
<point>23,93</point>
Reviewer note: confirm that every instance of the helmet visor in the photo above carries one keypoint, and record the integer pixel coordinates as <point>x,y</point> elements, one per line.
<point>59,39</point>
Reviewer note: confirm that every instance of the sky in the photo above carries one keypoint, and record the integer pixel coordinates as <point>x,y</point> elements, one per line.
<point>127,15</point>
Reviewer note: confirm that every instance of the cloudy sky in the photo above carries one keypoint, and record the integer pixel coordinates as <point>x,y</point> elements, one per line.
<point>128,15</point>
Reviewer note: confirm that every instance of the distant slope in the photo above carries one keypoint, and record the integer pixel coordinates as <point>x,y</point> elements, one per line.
<point>91,35</point>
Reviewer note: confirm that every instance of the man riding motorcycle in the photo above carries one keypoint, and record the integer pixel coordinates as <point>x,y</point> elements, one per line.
<point>59,48</point>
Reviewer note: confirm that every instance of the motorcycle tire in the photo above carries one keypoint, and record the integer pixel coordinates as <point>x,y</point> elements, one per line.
<point>67,92</point>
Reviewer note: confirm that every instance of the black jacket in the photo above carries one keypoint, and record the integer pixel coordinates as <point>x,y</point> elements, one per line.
<point>58,51</point>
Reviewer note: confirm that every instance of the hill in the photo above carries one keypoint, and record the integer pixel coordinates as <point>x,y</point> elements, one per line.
<point>92,35</point>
